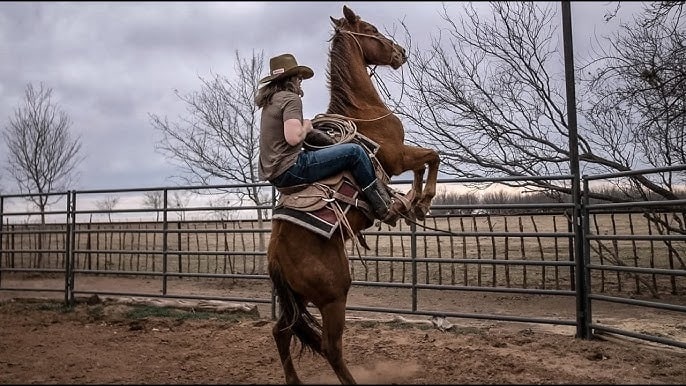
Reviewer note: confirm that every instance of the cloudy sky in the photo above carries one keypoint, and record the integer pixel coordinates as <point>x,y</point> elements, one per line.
<point>110,65</point>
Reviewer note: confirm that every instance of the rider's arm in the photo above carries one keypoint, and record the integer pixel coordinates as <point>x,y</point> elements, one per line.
<point>295,132</point>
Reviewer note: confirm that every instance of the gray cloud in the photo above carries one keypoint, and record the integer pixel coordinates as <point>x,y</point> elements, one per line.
<point>110,64</point>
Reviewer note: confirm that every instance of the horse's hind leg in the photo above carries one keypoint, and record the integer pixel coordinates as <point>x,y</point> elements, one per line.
<point>333,323</point>
<point>283,336</point>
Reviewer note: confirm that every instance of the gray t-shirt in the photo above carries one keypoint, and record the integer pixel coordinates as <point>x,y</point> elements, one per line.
<point>276,155</point>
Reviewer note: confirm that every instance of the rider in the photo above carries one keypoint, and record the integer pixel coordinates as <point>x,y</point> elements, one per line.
<point>284,162</point>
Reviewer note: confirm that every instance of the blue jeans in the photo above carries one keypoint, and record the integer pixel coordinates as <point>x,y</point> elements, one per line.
<point>314,165</point>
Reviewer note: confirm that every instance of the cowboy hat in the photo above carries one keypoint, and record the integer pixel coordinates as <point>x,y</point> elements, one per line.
<point>285,65</point>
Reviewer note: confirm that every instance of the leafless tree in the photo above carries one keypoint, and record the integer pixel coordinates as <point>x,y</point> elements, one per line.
<point>154,200</point>
<point>180,200</point>
<point>658,12</point>
<point>42,154</point>
<point>218,140</point>
<point>489,95</point>
<point>638,79</point>
<point>107,204</point>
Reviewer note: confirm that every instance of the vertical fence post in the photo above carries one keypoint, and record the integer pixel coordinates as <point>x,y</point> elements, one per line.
<point>574,161</point>
<point>165,249</point>
<point>74,244</point>
<point>584,291</point>
<point>68,297</point>
<point>273,294</point>
<point>413,254</point>
<point>572,271</point>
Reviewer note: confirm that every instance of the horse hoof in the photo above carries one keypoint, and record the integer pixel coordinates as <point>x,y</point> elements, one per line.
<point>410,217</point>
<point>420,211</point>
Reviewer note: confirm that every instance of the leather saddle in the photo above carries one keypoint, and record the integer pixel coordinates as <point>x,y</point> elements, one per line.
<point>312,197</point>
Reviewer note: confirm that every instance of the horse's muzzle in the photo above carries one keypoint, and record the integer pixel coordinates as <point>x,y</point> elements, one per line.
<point>399,57</point>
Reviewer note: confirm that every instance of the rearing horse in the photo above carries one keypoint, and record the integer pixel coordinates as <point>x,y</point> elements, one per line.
<point>305,267</point>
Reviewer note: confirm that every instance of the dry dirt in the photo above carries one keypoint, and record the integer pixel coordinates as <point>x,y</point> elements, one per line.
<point>114,342</point>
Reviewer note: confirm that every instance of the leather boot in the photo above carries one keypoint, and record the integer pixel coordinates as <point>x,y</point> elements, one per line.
<point>385,209</point>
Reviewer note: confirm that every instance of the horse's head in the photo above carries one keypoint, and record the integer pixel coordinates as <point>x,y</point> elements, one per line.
<point>376,48</point>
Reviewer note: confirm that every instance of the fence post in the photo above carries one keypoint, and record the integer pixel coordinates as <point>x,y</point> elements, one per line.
<point>271,290</point>
<point>574,159</point>
<point>413,254</point>
<point>68,252</point>
<point>165,248</point>
<point>584,274</point>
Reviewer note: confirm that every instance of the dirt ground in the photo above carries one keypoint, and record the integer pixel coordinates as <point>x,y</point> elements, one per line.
<point>95,342</point>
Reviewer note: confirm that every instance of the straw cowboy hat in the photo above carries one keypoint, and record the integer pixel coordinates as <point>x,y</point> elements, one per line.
<point>285,65</point>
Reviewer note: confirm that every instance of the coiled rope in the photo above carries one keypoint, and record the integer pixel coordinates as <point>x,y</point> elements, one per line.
<point>340,128</point>
<point>343,129</point>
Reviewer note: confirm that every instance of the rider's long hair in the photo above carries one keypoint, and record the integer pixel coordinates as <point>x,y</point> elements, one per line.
<point>265,93</point>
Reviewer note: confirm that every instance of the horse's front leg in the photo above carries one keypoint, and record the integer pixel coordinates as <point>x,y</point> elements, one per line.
<point>417,184</point>
<point>418,160</point>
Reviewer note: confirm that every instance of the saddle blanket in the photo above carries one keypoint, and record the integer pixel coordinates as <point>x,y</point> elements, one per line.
<point>322,221</point>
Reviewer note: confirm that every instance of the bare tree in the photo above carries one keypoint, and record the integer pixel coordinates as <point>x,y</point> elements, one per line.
<point>107,204</point>
<point>218,140</point>
<point>658,12</point>
<point>42,155</point>
<point>638,79</point>
<point>154,200</point>
<point>489,95</point>
<point>180,200</point>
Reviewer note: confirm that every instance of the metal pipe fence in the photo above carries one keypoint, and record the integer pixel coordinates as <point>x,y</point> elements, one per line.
<point>509,253</point>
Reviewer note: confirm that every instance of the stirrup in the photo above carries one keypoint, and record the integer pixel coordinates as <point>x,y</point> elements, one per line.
<point>401,205</point>
<point>404,202</point>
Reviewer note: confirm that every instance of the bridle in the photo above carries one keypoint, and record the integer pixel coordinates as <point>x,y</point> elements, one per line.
<point>372,71</point>
<point>385,41</point>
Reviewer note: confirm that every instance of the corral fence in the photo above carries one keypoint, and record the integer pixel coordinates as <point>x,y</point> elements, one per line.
<point>178,243</point>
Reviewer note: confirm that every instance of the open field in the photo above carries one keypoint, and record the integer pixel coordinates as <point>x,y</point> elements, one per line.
<point>473,255</point>
<point>466,250</point>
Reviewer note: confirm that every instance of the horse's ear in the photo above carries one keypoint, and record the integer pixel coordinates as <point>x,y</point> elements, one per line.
<point>336,22</point>
<point>350,15</point>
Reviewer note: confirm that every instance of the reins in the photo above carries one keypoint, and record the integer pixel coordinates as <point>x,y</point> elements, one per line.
<point>409,220</point>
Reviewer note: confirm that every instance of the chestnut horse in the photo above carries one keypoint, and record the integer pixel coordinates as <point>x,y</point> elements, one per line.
<point>305,267</point>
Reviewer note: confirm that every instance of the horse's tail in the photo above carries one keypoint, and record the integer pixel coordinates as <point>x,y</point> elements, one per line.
<point>293,313</point>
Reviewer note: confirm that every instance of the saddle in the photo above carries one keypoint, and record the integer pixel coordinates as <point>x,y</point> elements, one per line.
<point>321,206</point>
<point>312,197</point>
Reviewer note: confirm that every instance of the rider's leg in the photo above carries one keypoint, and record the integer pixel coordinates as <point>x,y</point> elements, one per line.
<point>312,166</point>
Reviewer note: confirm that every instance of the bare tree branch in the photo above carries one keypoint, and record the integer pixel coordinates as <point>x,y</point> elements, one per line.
<point>488,94</point>
<point>42,155</point>
<point>218,138</point>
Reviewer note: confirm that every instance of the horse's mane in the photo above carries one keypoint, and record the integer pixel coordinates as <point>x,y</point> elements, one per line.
<point>339,76</point>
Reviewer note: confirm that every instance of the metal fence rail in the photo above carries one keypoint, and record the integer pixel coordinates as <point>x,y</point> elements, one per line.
<point>597,269</point>
<point>489,250</point>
